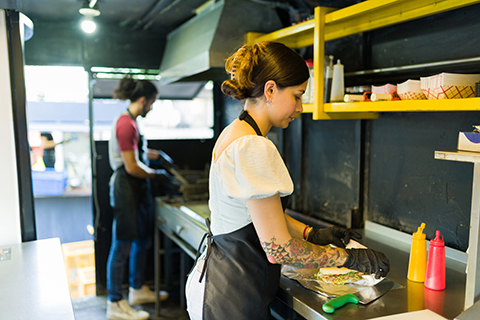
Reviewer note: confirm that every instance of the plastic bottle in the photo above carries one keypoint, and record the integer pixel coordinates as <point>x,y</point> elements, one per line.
<point>328,78</point>
<point>308,95</point>
<point>338,89</point>
<point>435,276</point>
<point>418,256</point>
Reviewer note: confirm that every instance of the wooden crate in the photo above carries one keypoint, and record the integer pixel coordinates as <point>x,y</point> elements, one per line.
<point>79,259</point>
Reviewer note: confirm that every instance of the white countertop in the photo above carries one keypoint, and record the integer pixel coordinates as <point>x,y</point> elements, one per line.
<point>33,283</point>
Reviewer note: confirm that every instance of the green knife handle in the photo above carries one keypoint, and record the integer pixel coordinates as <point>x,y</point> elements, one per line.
<point>338,302</point>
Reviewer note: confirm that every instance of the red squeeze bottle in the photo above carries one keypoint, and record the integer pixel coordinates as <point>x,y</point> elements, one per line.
<point>435,275</point>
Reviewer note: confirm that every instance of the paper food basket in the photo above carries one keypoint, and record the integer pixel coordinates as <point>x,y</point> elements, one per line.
<point>449,86</point>
<point>410,90</point>
<point>385,89</point>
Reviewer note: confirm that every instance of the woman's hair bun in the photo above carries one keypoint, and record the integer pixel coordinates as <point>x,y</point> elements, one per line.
<point>240,66</point>
<point>233,89</point>
<point>251,66</point>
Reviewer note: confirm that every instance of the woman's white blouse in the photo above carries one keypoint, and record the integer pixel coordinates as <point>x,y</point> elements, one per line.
<point>249,168</point>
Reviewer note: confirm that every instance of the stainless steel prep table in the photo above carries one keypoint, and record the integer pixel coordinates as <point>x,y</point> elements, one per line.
<point>183,223</point>
<point>33,282</point>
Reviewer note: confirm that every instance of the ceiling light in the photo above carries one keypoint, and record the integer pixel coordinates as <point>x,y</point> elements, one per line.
<point>88,25</point>
<point>89,10</point>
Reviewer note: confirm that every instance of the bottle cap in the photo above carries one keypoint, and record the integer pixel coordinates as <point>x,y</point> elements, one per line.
<point>419,234</point>
<point>438,242</point>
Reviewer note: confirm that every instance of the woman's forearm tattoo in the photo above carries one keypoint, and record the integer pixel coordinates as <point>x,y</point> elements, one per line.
<point>303,254</point>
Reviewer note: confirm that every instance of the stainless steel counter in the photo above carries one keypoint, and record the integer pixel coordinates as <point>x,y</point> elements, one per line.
<point>406,296</point>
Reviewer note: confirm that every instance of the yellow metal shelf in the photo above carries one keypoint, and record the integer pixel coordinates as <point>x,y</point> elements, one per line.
<point>329,24</point>
<point>364,16</point>
<point>310,108</point>
<point>470,104</point>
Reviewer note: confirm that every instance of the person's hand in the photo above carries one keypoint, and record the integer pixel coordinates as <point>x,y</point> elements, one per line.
<point>368,261</point>
<point>332,235</point>
<point>163,174</point>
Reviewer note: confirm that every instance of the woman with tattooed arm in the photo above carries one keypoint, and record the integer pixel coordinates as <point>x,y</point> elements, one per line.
<point>250,236</point>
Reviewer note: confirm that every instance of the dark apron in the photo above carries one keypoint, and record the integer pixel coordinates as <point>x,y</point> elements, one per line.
<point>132,202</point>
<point>240,283</point>
<point>49,158</point>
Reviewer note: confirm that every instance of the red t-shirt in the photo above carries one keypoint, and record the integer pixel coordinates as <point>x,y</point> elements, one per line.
<point>127,133</point>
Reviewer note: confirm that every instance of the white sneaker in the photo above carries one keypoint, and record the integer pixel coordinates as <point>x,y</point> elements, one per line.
<point>121,310</point>
<point>144,295</point>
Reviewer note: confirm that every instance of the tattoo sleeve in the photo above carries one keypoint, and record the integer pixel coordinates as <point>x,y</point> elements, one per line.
<point>303,254</point>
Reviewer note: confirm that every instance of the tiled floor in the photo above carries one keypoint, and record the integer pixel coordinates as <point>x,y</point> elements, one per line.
<point>94,308</point>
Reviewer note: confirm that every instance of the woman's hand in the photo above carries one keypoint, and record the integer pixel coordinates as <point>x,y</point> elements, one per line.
<point>333,235</point>
<point>369,261</point>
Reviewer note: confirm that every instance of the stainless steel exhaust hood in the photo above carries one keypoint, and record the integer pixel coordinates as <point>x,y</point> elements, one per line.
<point>196,51</point>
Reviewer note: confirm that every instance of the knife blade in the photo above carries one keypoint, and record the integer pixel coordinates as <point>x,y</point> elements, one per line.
<point>364,296</point>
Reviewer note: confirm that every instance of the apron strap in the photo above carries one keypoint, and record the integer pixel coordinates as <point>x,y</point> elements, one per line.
<point>248,119</point>
<point>209,236</point>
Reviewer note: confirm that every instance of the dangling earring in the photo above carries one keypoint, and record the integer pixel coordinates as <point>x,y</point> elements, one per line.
<point>269,102</point>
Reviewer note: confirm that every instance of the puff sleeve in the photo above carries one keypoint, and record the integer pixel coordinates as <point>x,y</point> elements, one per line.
<point>252,168</point>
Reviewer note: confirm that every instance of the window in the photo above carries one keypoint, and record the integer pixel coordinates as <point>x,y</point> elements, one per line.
<point>169,119</point>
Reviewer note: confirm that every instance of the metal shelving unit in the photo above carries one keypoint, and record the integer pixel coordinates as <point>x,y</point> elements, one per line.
<point>472,287</point>
<point>329,24</point>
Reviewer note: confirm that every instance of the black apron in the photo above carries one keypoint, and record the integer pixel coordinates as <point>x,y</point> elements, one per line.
<point>240,283</point>
<point>132,201</point>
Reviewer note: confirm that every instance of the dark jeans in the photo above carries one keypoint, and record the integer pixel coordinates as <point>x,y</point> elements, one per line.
<point>120,251</point>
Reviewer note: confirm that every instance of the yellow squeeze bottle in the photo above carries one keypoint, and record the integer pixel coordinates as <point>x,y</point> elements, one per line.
<point>417,265</point>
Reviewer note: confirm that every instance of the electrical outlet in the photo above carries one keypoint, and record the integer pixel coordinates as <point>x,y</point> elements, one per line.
<point>5,254</point>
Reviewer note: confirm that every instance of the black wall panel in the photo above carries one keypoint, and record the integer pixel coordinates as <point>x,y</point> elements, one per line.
<point>445,36</point>
<point>187,154</point>
<point>408,186</point>
<point>330,166</point>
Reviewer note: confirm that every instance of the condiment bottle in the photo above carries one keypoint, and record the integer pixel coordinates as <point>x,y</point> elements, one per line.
<point>435,276</point>
<point>418,256</point>
<point>338,87</point>
<point>308,95</point>
<point>328,78</point>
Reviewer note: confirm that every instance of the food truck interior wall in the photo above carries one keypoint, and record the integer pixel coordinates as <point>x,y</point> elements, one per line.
<point>345,171</point>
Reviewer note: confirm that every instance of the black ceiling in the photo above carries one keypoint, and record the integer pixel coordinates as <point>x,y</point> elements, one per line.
<point>155,15</point>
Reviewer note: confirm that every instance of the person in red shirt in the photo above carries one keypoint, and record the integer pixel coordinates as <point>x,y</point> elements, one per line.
<point>132,202</point>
